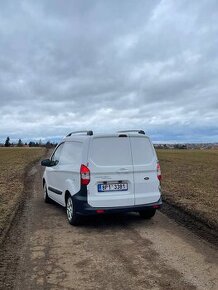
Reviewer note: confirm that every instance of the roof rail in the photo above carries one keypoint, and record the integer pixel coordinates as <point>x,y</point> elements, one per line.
<point>129,131</point>
<point>90,133</point>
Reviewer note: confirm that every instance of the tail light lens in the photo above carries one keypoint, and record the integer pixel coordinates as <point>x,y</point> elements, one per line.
<point>158,171</point>
<point>85,175</point>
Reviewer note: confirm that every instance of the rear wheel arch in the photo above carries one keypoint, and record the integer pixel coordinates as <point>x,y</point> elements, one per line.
<point>147,213</point>
<point>69,188</point>
<point>72,215</point>
<point>67,194</point>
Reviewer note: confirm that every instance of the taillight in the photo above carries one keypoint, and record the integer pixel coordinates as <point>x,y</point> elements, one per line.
<point>158,171</point>
<point>99,211</point>
<point>85,175</point>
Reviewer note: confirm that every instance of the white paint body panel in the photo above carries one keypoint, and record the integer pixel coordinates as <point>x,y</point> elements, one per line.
<point>111,159</point>
<point>146,183</point>
<point>102,164</point>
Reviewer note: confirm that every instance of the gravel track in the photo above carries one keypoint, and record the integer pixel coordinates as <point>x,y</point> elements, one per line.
<point>42,251</point>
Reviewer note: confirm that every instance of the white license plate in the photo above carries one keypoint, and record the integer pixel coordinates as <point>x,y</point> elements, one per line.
<point>112,187</point>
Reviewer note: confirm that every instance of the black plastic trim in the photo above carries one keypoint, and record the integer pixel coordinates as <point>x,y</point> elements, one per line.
<point>55,190</point>
<point>90,133</point>
<point>129,131</point>
<point>122,135</point>
<point>83,208</point>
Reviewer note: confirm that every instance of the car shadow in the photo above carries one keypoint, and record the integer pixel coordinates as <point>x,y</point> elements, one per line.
<point>111,220</point>
<point>105,221</point>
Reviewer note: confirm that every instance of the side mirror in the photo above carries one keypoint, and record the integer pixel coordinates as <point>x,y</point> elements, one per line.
<point>48,162</point>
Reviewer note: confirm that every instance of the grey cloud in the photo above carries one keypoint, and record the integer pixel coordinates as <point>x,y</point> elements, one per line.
<point>109,65</point>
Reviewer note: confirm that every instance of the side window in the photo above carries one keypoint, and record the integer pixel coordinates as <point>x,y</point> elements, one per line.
<point>57,153</point>
<point>71,153</point>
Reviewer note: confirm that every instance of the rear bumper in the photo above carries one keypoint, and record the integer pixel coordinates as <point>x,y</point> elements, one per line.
<point>83,208</point>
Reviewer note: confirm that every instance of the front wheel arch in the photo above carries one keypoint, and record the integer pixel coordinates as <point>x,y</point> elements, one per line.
<point>47,199</point>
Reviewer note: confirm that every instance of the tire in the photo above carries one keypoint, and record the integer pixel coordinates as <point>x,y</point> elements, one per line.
<point>147,214</point>
<point>72,216</point>
<point>45,194</point>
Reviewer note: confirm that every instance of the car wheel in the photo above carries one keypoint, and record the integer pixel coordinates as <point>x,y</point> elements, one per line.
<point>147,214</point>
<point>72,216</point>
<point>45,194</point>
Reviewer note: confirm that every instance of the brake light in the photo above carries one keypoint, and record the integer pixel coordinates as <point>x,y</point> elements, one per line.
<point>85,175</point>
<point>158,171</point>
<point>99,211</point>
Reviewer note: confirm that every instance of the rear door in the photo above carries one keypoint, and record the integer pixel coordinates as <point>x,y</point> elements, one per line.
<point>145,170</point>
<point>111,169</point>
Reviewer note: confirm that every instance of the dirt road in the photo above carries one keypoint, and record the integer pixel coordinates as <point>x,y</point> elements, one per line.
<point>43,251</point>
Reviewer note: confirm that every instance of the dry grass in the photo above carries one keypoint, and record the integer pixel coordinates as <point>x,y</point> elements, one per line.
<point>190,180</point>
<point>13,162</point>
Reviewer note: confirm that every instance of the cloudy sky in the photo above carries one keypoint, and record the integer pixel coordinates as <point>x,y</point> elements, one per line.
<point>109,65</point>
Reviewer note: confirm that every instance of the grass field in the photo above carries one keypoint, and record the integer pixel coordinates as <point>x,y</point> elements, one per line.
<point>190,181</point>
<point>13,162</point>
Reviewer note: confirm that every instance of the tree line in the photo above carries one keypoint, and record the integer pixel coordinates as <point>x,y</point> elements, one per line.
<point>20,143</point>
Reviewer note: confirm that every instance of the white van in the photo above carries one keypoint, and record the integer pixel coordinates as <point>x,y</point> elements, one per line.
<point>103,173</point>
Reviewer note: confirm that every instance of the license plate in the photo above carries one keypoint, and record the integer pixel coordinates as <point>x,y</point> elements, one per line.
<point>112,187</point>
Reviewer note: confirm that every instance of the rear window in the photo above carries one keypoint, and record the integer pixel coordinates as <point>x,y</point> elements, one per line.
<point>111,151</point>
<point>142,150</point>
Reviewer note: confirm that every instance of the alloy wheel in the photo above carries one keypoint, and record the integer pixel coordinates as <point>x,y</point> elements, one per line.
<point>69,208</point>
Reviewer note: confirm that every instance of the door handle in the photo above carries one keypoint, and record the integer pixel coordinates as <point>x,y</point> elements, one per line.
<point>122,170</point>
